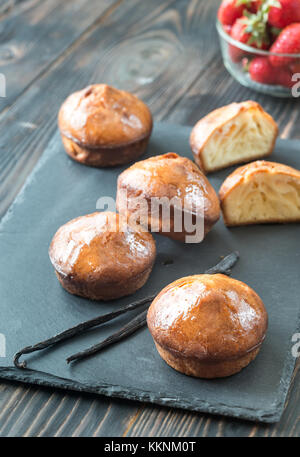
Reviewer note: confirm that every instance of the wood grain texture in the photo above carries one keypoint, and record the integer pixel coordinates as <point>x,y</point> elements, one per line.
<point>167,52</point>
<point>36,33</point>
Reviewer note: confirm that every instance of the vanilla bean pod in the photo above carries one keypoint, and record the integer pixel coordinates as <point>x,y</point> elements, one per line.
<point>224,267</point>
<point>132,326</point>
<point>77,330</point>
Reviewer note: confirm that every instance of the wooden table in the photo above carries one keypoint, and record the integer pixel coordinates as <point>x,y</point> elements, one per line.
<point>167,52</point>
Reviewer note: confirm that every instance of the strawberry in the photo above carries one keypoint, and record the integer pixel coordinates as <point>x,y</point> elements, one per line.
<point>295,67</point>
<point>285,14</point>
<point>261,71</point>
<point>284,77</point>
<point>288,42</point>
<point>248,30</point>
<point>229,12</point>
<point>238,33</point>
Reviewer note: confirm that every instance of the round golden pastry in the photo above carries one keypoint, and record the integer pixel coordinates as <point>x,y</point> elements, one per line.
<point>102,126</point>
<point>208,326</point>
<point>171,177</point>
<point>101,257</point>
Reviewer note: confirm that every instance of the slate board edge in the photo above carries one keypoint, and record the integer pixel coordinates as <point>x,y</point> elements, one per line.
<point>270,415</point>
<point>34,377</point>
<point>44,379</point>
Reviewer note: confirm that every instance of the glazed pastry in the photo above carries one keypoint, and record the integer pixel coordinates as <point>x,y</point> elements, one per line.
<point>101,257</point>
<point>185,192</point>
<point>233,134</point>
<point>101,126</point>
<point>208,326</point>
<point>261,192</point>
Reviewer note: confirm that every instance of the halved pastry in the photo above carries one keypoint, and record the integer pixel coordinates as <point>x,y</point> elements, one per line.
<point>233,134</point>
<point>261,192</point>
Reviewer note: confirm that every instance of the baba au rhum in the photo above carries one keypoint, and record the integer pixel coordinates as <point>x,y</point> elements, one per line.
<point>185,193</point>
<point>102,257</point>
<point>235,133</point>
<point>207,326</point>
<point>102,126</point>
<point>261,192</point>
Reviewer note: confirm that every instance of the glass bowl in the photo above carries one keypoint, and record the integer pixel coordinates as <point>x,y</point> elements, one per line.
<point>237,56</point>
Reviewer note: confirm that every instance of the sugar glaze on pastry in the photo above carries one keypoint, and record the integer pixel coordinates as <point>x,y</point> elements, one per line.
<point>168,176</point>
<point>208,326</point>
<point>101,257</point>
<point>103,126</point>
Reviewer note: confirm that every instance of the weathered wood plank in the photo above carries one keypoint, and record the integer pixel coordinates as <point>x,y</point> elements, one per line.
<point>42,412</point>
<point>168,54</point>
<point>33,117</point>
<point>34,35</point>
<point>159,53</point>
<point>7,7</point>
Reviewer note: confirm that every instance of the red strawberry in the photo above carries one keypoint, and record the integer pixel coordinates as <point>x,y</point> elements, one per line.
<point>262,71</point>
<point>229,12</point>
<point>238,33</point>
<point>286,15</point>
<point>245,31</point>
<point>288,42</point>
<point>295,67</point>
<point>284,77</point>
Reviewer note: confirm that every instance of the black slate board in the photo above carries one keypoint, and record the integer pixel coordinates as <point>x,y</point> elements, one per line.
<point>34,306</point>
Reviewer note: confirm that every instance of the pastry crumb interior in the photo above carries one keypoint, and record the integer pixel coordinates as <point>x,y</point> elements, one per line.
<point>264,198</point>
<point>248,136</point>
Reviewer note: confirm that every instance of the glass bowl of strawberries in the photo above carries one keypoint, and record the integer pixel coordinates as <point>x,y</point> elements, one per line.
<point>260,43</point>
